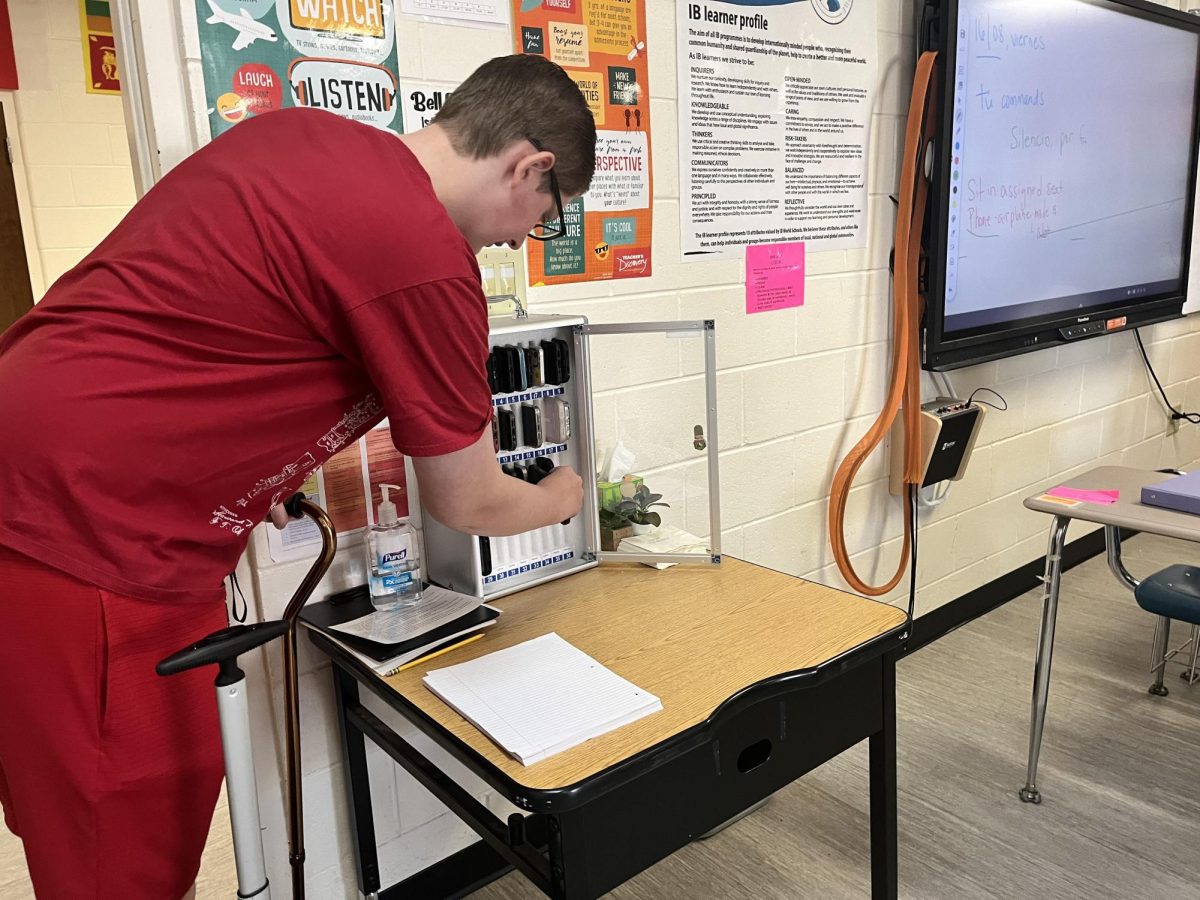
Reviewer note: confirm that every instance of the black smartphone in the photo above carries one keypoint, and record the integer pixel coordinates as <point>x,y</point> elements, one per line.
<point>517,363</point>
<point>531,425</point>
<point>552,364</point>
<point>508,429</point>
<point>564,359</point>
<point>491,373</point>
<point>485,556</point>
<point>505,376</point>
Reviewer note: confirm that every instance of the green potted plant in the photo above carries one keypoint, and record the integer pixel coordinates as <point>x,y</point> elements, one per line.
<point>614,528</point>
<point>637,509</point>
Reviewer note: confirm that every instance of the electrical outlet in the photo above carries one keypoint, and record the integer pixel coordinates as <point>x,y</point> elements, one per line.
<point>503,274</point>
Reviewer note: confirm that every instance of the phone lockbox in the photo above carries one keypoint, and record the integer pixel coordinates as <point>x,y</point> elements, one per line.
<point>540,371</point>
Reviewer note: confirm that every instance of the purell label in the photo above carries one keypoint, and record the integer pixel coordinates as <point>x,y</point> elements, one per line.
<point>398,580</point>
<point>391,560</point>
<point>394,551</point>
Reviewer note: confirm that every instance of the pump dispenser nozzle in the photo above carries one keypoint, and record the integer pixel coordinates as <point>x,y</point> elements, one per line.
<point>387,509</point>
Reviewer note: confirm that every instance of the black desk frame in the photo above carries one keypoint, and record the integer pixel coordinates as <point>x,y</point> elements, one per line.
<point>581,841</point>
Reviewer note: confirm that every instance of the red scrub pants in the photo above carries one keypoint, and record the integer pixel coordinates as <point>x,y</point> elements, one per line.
<point>108,773</point>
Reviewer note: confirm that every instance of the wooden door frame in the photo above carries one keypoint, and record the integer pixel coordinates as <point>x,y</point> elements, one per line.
<point>33,257</point>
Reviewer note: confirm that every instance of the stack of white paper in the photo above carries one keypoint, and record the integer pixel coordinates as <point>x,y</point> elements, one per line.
<point>540,697</point>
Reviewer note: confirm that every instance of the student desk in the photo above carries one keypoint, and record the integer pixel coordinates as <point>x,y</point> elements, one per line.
<point>1128,512</point>
<point>762,678</point>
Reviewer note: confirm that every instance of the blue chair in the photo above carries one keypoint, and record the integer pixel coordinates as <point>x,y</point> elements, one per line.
<point>1173,593</point>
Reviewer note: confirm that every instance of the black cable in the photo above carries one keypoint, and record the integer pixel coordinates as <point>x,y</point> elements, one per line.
<point>998,395</point>
<point>1176,414</point>
<point>234,597</point>
<point>912,573</point>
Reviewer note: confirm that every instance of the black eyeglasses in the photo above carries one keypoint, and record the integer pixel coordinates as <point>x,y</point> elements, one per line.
<point>543,231</point>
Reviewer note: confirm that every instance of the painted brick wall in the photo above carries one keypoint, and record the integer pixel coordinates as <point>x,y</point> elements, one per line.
<point>73,145</point>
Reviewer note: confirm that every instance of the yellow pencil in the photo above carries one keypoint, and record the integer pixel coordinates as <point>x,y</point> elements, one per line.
<point>429,656</point>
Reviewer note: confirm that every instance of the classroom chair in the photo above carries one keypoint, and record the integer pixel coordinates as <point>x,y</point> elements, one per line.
<point>1172,593</point>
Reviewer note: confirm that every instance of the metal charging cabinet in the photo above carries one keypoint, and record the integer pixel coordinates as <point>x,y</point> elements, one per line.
<point>650,386</point>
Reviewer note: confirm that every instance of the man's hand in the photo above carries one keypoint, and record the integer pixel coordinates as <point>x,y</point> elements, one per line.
<point>279,516</point>
<point>465,490</point>
<point>564,491</point>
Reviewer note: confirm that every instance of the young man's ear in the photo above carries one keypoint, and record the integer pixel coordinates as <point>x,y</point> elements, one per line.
<point>535,165</point>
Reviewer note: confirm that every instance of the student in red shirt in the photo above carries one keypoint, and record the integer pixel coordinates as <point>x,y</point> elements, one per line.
<point>272,298</point>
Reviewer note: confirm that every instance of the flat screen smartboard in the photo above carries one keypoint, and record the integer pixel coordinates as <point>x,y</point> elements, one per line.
<point>1063,184</point>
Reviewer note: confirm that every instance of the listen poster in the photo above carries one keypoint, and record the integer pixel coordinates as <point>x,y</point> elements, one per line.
<point>260,55</point>
<point>602,45</point>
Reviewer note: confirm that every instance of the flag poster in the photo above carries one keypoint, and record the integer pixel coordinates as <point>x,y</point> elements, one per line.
<point>260,55</point>
<point>99,49</point>
<point>602,44</point>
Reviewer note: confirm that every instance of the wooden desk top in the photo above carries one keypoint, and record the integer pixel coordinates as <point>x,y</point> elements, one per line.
<point>693,636</point>
<point>1128,511</point>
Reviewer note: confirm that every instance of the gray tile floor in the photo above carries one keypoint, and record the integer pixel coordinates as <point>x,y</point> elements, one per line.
<point>1119,777</point>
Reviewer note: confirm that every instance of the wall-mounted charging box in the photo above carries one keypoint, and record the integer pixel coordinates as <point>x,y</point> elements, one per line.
<point>949,428</point>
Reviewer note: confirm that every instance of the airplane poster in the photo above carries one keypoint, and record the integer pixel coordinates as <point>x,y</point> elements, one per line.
<point>260,55</point>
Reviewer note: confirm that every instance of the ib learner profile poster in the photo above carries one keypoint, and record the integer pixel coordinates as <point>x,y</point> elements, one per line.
<point>774,108</point>
<point>603,46</point>
<point>260,55</point>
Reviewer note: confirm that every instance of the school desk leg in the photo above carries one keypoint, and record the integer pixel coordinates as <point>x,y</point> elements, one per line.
<point>358,786</point>
<point>884,843</point>
<point>1045,651</point>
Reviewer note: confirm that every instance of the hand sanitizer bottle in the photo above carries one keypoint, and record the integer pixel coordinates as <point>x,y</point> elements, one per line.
<point>393,565</point>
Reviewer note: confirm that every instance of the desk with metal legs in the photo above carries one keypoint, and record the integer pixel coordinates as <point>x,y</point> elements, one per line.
<point>1127,512</point>
<point>762,678</point>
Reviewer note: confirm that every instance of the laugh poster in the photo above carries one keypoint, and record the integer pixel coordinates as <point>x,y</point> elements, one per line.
<point>602,45</point>
<point>260,55</point>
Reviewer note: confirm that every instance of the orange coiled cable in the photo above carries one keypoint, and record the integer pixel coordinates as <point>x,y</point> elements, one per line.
<point>905,387</point>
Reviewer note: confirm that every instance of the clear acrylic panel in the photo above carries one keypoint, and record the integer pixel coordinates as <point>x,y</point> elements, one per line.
<point>653,429</point>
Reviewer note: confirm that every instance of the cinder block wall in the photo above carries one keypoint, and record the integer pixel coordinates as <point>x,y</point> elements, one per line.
<point>72,144</point>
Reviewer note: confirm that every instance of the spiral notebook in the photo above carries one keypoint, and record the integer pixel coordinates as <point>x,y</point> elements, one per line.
<point>540,697</point>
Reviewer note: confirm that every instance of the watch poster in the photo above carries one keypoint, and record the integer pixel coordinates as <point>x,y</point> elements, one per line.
<point>602,45</point>
<point>261,55</point>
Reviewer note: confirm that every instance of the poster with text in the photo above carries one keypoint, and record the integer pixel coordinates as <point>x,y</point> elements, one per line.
<point>774,110</point>
<point>347,487</point>
<point>260,55</point>
<point>602,45</point>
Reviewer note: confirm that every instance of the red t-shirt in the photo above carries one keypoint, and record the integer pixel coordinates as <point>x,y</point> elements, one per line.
<point>272,298</point>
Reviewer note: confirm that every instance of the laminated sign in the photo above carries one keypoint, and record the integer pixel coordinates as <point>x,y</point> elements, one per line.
<point>337,55</point>
<point>602,45</point>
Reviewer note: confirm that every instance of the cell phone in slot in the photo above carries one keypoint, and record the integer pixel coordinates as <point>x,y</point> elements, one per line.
<point>531,425</point>
<point>502,365</point>
<point>551,363</point>
<point>485,556</point>
<point>520,376</point>
<point>508,428</point>
<point>556,420</point>
<point>493,383</point>
<point>495,433</point>
<point>533,365</point>
<point>564,360</point>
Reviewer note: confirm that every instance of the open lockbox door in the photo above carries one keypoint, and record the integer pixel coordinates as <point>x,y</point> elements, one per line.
<point>653,394</point>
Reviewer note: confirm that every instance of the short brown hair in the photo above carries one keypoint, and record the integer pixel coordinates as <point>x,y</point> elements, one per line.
<point>522,97</point>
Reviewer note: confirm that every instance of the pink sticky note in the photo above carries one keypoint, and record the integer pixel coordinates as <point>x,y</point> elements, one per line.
<point>1105,497</point>
<point>774,276</point>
